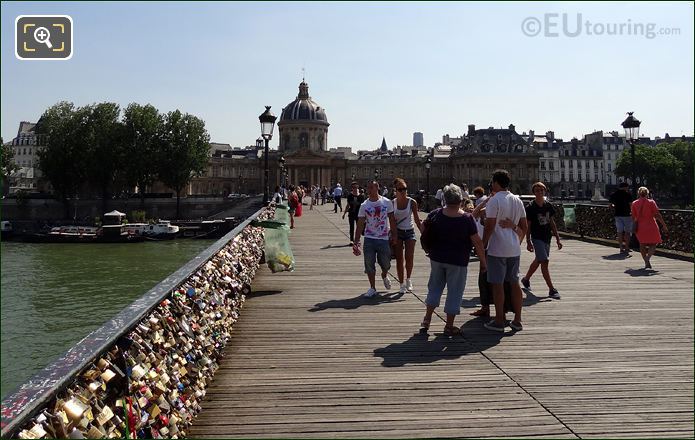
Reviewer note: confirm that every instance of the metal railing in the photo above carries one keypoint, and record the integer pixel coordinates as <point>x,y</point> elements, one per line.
<point>32,396</point>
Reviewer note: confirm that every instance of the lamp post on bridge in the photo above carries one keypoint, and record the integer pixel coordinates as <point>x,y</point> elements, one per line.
<point>267,120</point>
<point>631,126</point>
<point>376,174</point>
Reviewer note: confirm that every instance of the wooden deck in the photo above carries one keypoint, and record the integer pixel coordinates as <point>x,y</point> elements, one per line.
<point>310,358</point>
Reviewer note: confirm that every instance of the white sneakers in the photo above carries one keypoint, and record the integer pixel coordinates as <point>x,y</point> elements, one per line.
<point>387,285</point>
<point>387,282</point>
<point>403,289</point>
<point>369,293</point>
<point>409,285</point>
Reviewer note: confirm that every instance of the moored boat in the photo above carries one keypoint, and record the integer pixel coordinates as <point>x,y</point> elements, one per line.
<point>162,230</point>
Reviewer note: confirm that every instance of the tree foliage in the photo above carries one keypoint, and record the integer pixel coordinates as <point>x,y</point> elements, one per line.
<point>104,147</point>
<point>93,146</point>
<point>185,151</point>
<point>143,143</point>
<point>7,164</point>
<point>684,152</point>
<point>63,130</point>
<point>655,167</point>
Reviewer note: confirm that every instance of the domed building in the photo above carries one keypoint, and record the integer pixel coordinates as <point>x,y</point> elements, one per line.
<point>308,160</point>
<point>303,124</point>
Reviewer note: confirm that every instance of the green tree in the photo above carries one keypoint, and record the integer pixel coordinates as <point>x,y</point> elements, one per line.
<point>63,131</point>
<point>144,129</point>
<point>684,152</point>
<point>7,165</point>
<point>105,152</point>
<point>184,153</point>
<point>655,167</point>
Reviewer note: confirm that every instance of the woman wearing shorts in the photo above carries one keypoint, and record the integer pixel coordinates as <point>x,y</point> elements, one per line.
<point>405,210</point>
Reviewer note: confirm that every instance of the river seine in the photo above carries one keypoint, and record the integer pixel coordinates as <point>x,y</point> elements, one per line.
<point>55,294</point>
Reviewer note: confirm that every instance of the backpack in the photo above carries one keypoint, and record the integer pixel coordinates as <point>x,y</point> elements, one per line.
<point>428,235</point>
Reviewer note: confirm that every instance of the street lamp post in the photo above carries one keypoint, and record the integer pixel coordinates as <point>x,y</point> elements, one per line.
<point>267,120</point>
<point>631,126</point>
<point>376,174</point>
<point>428,165</point>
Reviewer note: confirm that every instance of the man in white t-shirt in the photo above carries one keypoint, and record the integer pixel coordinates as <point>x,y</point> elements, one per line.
<point>376,222</point>
<point>505,226</point>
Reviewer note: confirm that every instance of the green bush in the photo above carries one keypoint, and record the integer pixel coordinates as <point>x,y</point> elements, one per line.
<point>137,216</point>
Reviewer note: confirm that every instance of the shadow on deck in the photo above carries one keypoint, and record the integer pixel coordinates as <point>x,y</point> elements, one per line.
<point>311,358</point>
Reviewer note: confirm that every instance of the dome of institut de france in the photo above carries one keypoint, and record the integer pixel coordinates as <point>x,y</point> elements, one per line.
<point>303,108</point>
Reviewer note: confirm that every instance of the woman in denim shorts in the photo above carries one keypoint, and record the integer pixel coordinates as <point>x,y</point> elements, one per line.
<point>405,210</point>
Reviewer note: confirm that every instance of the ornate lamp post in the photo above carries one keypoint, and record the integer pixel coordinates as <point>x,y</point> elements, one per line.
<point>267,120</point>
<point>428,165</point>
<point>631,126</point>
<point>376,174</point>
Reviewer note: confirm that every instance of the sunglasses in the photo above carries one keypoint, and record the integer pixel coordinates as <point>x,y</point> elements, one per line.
<point>401,189</point>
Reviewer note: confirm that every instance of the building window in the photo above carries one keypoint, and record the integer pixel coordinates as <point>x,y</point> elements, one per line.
<point>303,140</point>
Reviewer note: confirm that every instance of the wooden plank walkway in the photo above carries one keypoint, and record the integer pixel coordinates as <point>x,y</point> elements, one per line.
<point>310,358</point>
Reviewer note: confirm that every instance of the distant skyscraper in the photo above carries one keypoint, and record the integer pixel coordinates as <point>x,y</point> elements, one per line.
<point>418,140</point>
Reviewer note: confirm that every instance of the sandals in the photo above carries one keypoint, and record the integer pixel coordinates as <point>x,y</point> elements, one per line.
<point>481,312</point>
<point>451,331</point>
<point>425,324</point>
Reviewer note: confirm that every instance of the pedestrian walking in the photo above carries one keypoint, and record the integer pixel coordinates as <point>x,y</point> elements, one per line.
<point>505,226</point>
<point>439,196</point>
<point>352,208</point>
<point>277,197</point>
<point>300,196</point>
<point>378,225</point>
<point>337,196</point>
<point>479,193</point>
<point>621,200</point>
<point>405,211</point>
<point>541,229</point>
<point>293,203</point>
<point>451,233</point>
<point>645,214</point>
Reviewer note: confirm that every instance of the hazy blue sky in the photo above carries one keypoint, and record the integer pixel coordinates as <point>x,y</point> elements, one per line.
<point>379,69</point>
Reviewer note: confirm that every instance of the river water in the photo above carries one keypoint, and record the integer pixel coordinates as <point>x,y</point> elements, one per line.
<point>55,294</point>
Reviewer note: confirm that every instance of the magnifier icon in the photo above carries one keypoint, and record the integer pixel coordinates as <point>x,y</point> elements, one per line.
<point>42,36</point>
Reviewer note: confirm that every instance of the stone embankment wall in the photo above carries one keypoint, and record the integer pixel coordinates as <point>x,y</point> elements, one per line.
<point>87,210</point>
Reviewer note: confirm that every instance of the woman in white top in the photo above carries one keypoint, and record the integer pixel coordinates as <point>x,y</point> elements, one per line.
<point>405,210</point>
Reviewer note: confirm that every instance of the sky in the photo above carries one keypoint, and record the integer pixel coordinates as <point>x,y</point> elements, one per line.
<point>379,69</point>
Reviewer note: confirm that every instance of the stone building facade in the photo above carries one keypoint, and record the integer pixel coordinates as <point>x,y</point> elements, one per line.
<point>303,143</point>
<point>25,148</point>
